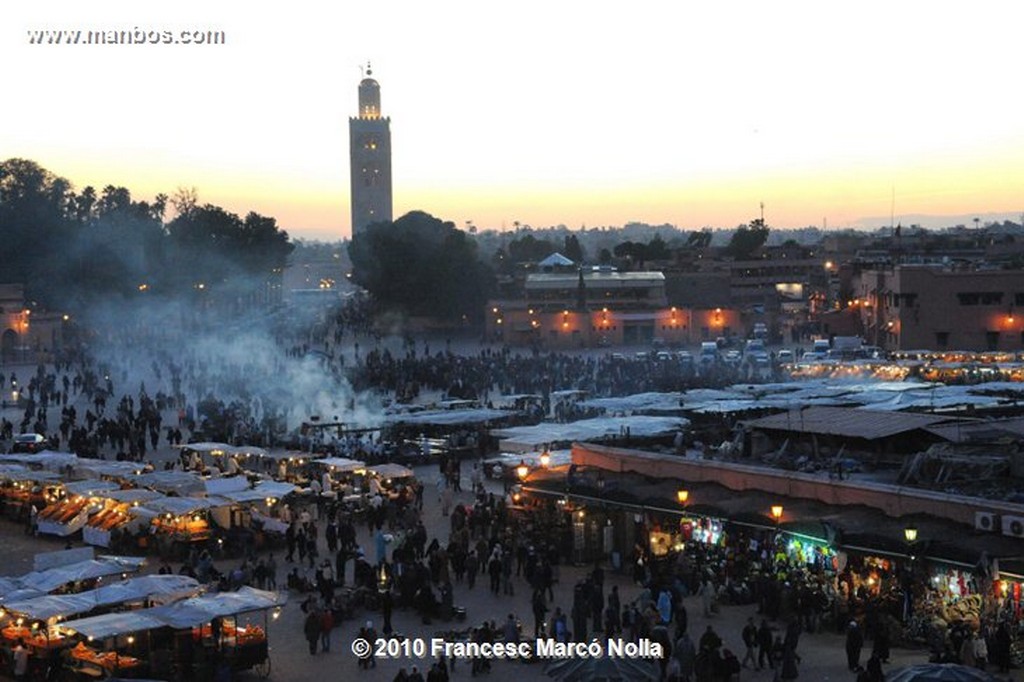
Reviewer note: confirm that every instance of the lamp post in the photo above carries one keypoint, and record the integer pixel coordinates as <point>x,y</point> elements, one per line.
<point>683,496</point>
<point>777,513</point>
<point>545,459</point>
<point>522,470</point>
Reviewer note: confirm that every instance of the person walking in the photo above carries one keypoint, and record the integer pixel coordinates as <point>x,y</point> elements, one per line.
<point>749,635</point>
<point>764,644</point>
<point>311,628</point>
<point>789,664</point>
<point>854,643</point>
<point>326,625</point>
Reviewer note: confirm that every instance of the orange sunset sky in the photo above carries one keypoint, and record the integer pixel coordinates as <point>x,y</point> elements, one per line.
<point>543,113</point>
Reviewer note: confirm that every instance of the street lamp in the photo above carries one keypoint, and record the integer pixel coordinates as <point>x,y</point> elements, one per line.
<point>682,495</point>
<point>545,459</point>
<point>522,470</point>
<point>777,512</point>
<point>910,534</point>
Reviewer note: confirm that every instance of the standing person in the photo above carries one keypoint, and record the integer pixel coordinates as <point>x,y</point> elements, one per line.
<point>326,625</point>
<point>707,597</point>
<point>749,635</point>
<point>764,645</point>
<point>370,635</point>
<point>311,628</point>
<point>874,672</point>
<point>980,650</point>
<point>271,573</point>
<point>20,654</point>
<point>789,663</point>
<point>854,643</point>
<point>540,610</point>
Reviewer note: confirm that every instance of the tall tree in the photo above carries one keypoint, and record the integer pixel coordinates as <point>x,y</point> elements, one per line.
<point>422,266</point>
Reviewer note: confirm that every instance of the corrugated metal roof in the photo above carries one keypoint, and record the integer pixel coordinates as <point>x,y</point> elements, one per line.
<point>847,421</point>
<point>980,432</point>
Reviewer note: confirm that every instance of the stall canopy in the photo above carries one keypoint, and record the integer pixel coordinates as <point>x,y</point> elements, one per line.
<point>178,506</point>
<point>265,489</point>
<point>157,588</point>
<point>133,495</point>
<point>589,429</point>
<point>391,471</point>
<point>47,459</point>
<point>210,448</point>
<point>180,615</point>
<point>341,464</point>
<point>51,579</point>
<point>477,415</point>
<point>95,468</point>
<point>91,488</point>
<point>113,624</point>
<point>176,482</point>
<point>229,484</point>
<point>204,608</point>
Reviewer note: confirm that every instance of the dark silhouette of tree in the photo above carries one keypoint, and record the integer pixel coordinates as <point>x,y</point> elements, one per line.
<point>604,257</point>
<point>421,266</point>
<point>572,249</point>
<point>747,239</point>
<point>70,248</point>
<point>529,249</point>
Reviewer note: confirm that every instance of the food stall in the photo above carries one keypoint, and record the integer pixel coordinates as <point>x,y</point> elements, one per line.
<point>188,636</point>
<point>70,514</point>
<point>21,489</point>
<point>34,622</point>
<point>257,504</point>
<point>181,519</point>
<point>121,515</point>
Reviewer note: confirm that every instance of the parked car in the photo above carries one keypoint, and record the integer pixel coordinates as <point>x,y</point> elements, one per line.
<point>28,442</point>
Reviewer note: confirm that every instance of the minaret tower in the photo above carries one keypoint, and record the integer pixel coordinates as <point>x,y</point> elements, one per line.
<point>370,158</point>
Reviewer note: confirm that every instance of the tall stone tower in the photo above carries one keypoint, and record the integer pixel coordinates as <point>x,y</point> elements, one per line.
<point>370,156</point>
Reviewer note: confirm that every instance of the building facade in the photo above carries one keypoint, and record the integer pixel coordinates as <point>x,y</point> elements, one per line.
<point>370,159</point>
<point>601,307</point>
<point>912,307</point>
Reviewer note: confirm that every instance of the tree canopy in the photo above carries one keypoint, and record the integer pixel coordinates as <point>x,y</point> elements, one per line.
<point>71,247</point>
<point>422,266</point>
<point>747,239</point>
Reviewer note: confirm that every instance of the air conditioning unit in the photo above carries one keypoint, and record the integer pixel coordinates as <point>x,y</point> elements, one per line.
<point>986,521</point>
<point>1013,526</point>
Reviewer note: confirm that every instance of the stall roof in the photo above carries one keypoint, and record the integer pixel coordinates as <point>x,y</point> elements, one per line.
<point>91,488</point>
<point>262,491</point>
<point>639,402</point>
<point>225,484</point>
<point>590,429</point>
<point>51,579</point>
<point>391,471</point>
<point>847,421</point>
<point>341,463</point>
<point>179,482</point>
<point>95,468</point>
<point>450,417</point>
<point>204,608</point>
<point>178,506</point>
<point>47,459</point>
<point>206,447</point>
<point>133,495</point>
<point>113,624</point>
<point>248,451</point>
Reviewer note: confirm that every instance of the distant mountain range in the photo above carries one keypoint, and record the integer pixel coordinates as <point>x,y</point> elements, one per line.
<point>935,222</point>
